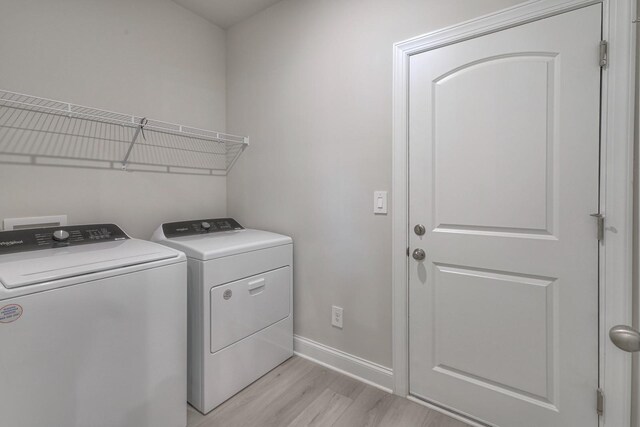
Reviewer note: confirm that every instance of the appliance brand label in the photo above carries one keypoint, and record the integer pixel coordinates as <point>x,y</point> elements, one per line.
<point>11,243</point>
<point>10,313</point>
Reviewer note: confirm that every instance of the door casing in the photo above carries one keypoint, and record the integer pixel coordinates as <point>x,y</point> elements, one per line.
<point>616,185</point>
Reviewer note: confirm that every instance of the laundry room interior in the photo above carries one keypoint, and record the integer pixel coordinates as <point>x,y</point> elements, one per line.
<point>319,213</point>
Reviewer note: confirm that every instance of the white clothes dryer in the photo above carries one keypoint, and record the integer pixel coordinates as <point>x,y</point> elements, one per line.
<point>240,298</point>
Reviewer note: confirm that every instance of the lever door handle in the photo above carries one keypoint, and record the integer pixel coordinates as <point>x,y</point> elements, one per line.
<point>625,338</point>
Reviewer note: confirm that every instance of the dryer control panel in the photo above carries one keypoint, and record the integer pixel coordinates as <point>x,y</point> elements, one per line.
<point>58,237</point>
<point>200,226</point>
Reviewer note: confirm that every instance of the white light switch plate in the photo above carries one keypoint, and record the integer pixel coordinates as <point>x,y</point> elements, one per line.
<point>379,202</point>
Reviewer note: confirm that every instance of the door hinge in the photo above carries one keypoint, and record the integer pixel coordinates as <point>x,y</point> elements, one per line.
<point>600,401</point>
<point>407,250</point>
<point>600,219</point>
<point>604,53</point>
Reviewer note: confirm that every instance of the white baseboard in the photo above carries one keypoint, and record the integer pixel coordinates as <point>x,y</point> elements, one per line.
<point>362,370</point>
<point>345,363</point>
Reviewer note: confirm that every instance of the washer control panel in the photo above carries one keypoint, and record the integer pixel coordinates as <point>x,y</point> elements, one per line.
<point>200,226</point>
<point>58,237</point>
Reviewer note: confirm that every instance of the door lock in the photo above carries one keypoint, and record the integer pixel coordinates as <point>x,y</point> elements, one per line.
<point>419,255</point>
<point>419,230</point>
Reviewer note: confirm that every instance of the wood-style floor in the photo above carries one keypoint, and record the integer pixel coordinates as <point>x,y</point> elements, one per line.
<point>301,393</point>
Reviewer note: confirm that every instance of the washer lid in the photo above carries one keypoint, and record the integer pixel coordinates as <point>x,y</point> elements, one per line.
<point>30,268</point>
<point>216,245</point>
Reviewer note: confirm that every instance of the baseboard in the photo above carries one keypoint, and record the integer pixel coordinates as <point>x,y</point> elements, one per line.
<point>345,363</point>
<point>362,370</point>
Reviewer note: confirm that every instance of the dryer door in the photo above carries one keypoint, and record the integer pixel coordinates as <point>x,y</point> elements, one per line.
<point>243,307</point>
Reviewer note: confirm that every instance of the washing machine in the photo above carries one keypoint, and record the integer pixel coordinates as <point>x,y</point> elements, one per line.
<point>240,317</point>
<point>92,329</point>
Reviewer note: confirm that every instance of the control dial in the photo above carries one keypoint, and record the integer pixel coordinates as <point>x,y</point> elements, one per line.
<point>60,236</point>
<point>205,225</point>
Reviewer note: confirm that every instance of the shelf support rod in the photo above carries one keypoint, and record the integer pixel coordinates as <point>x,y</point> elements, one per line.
<point>143,123</point>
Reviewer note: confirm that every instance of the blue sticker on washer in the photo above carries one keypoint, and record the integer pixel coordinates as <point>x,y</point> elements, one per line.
<point>10,313</point>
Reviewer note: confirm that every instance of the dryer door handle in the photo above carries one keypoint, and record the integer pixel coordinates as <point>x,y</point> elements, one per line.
<point>256,285</point>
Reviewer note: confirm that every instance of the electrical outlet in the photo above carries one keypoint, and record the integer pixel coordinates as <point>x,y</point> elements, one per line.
<point>336,316</point>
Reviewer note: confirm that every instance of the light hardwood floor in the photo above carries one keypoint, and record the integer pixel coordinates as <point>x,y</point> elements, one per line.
<point>301,393</point>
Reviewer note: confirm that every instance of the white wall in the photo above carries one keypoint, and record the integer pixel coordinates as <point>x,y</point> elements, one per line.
<point>145,57</point>
<point>310,82</point>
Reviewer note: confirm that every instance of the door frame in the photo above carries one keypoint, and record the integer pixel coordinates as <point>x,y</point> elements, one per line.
<point>616,185</point>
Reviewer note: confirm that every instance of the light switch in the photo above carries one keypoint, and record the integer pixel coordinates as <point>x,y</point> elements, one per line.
<point>380,202</point>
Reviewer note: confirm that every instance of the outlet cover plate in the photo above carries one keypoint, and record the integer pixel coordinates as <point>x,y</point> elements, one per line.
<point>336,316</point>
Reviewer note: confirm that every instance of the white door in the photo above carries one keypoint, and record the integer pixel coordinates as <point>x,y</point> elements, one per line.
<point>504,159</point>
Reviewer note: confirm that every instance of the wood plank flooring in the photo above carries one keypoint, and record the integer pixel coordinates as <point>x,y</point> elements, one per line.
<point>300,393</point>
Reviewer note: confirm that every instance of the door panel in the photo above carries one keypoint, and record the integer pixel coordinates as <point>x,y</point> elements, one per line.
<point>504,164</point>
<point>499,303</point>
<point>465,156</point>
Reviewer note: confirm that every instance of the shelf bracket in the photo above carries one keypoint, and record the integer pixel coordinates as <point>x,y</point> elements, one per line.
<point>139,130</point>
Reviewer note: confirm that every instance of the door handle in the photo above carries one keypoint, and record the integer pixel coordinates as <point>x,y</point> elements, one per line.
<point>625,338</point>
<point>419,255</point>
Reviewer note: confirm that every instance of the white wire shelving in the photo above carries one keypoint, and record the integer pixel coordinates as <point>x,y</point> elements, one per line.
<point>41,131</point>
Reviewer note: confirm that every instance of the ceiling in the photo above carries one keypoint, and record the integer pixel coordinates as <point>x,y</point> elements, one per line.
<point>225,13</point>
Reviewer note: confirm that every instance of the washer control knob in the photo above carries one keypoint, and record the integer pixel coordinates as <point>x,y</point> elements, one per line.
<point>205,225</point>
<point>60,236</point>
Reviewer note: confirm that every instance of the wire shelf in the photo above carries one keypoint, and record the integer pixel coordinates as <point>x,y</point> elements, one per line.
<point>46,132</point>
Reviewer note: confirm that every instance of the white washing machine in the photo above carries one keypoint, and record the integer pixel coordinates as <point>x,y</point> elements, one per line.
<point>240,304</point>
<point>92,329</point>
